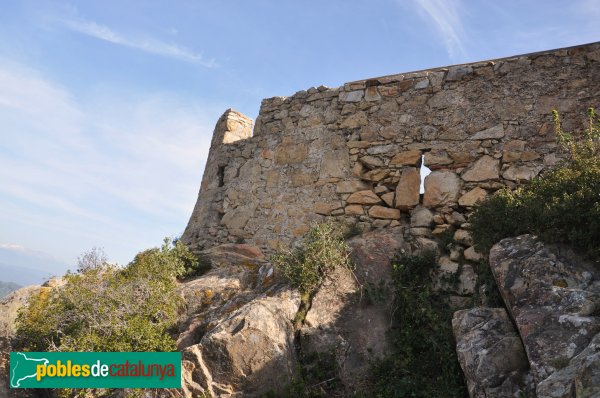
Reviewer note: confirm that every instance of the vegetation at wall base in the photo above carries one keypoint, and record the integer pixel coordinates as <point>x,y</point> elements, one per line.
<point>320,251</point>
<point>423,361</point>
<point>561,206</point>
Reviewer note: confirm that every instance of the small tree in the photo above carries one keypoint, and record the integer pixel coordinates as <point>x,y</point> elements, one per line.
<point>317,255</point>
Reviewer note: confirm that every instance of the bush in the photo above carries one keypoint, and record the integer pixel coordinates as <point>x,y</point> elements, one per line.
<point>562,206</point>
<point>106,308</point>
<point>320,251</point>
<point>423,361</point>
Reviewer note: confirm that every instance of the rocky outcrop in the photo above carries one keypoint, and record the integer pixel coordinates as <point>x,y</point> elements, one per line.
<point>491,354</point>
<point>554,300</point>
<point>236,334</point>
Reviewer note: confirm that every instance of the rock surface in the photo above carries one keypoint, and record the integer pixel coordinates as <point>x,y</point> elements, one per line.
<point>491,354</point>
<point>554,300</point>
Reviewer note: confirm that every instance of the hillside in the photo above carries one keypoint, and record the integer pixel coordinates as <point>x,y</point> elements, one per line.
<point>7,287</point>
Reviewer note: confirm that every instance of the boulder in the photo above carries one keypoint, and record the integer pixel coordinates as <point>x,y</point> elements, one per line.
<point>553,298</point>
<point>491,354</point>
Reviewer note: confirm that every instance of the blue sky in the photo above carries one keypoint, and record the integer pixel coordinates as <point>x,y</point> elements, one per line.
<point>107,107</point>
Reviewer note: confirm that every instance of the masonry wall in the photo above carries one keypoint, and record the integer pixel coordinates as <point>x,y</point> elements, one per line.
<point>353,152</point>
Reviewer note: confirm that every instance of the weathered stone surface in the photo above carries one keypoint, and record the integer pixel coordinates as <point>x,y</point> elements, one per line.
<point>354,210</point>
<point>324,209</point>
<point>473,196</point>
<point>463,236</point>
<point>553,300</point>
<point>494,132</point>
<point>371,161</point>
<point>421,217</point>
<point>406,158</point>
<point>366,197</point>
<point>458,72</point>
<point>237,219</point>
<point>491,354</point>
<point>521,173</point>
<point>334,164</point>
<point>437,157</point>
<point>388,198</point>
<point>355,120</point>
<point>472,255</point>
<point>441,188</point>
<point>384,212</point>
<point>252,350</point>
<point>351,96</point>
<point>486,168</point>
<point>290,152</point>
<point>407,190</point>
<point>351,186</point>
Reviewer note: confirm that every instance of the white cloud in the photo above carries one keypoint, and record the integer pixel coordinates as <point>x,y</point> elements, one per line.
<point>88,170</point>
<point>148,45</point>
<point>445,17</point>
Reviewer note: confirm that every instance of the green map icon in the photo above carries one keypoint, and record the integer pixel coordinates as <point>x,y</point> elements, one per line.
<point>24,366</point>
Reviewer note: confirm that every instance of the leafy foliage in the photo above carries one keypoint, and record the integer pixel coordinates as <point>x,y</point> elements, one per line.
<point>562,206</point>
<point>106,308</point>
<point>320,251</point>
<point>423,362</point>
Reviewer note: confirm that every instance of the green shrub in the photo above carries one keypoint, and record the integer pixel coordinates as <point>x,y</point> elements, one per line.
<point>423,361</point>
<point>106,308</point>
<point>320,251</point>
<point>562,206</point>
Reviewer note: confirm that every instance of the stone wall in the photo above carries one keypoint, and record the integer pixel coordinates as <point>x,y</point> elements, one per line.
<point>354,152</point>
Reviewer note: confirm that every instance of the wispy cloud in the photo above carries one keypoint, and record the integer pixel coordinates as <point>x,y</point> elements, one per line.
<point>148,45</point>
<point>445,16</point>
<point>78,173</point>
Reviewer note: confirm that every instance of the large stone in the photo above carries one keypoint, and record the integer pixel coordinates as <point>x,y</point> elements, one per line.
<point>384,212</point>
<point>553,299</point>
<point>366,197</point>
<point>441,188</point>
<point>407,190</point>
<point>406,158</point>
<point>335,163</point>
<point>521,173</point>
<point>473,196</point>
<point>351,96</point>
<point>494,132</point>
<point>237,218</point>
<point>486,168</point>
<point>354,210</point>
<point>437,157</point>
<point>491,354</point>
<point>388,198</point>
<point>421,217</point>
<point>354,121</point>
